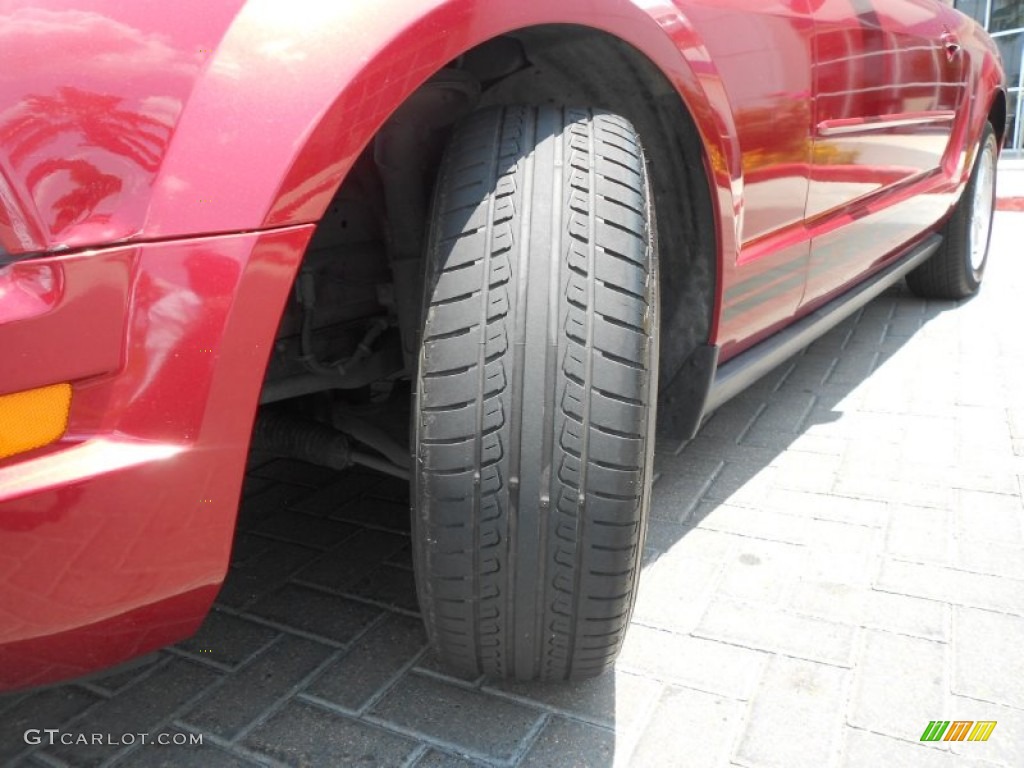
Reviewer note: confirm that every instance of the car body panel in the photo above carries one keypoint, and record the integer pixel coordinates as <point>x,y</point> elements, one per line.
<point>302,86</point>
<point>164,167</point>
<point>887,92</point>
<point>763,278</point>
<point>84,133</point>
<point>135,507</point>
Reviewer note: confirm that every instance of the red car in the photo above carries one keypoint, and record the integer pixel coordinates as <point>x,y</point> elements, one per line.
<point>531,220</point>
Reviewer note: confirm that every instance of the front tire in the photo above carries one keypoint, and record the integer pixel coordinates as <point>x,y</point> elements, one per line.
<point>535,395</point>
<point>956,270</point>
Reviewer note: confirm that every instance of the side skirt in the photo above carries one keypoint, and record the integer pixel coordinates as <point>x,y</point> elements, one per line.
<point>699,395</point>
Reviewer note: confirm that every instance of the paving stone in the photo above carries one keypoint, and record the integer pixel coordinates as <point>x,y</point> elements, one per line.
<point>127,674</point>
<point>435,758</point>
<point>864,748</point>
<point>931,443</point>
<point>247,694</point>
<point>1015,420</point>
<point>44,709</point>
<point>920,534</point>
<point>431,665</point>
<point>810,473</point>
<point>402,558</point>
<point>687,541</point>
<point>839,603</point>
<point>328,500</point>
<point>906,615</point>
<point>987,660</point>
<point>138,709</point>
<point>836,566</point>
<point>354,679</point>
<point>828,445</point>
<point>728,424</point>
<point>823,506</point>
<point>675,591</point>
<point>297,472</point>
<point>685,480</point>
<point>741,484</point>
<point>274,498</point>
<point>758,522</point>
<point>833,343</point>
<point>751,521</point>
<point>990,557</point>
<point>571,744</point>
<point>981,427</point>
<point>692,661</point>
<point>953,586</point>
<point>900,679</point>
<point>313,611</point>
<point>862,426</point>
<point>614,700</point>
<point>780,420</point>
<point>853,365</point>
<point>882,460</point>
<point>762,571</point>
<point>394,490</point>
<point>38,760</point>
<point>185,755</point>
<point>685,461</point>
<point>377,512</point>
<point>690,728</point>
<point>391,586</point>
<point>868,485</point>
<point>769,629</point>
<point>308,530</point>
<point>809,370</point>
<point>467,719</point>
<point>301,734</point>
<point>720,449</point>
<point>988,475</point>
<point>794,720</point>
<point>259,566</point>
<point>348,563</point>
<point>227,639</point>
<point>990,517</point>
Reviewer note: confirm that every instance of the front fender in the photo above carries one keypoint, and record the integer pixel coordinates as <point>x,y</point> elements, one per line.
<point>250,115</point>
<point>339,70</point>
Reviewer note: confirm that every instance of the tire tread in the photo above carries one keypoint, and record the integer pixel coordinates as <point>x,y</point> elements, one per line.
<point>472,445</point>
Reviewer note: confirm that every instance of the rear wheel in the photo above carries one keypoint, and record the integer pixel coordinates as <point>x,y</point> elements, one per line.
<point>535,395</point>
<point>955,271</point>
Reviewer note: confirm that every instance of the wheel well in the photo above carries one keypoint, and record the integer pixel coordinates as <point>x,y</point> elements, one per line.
<point>378,216</point>
<point>997,116</point>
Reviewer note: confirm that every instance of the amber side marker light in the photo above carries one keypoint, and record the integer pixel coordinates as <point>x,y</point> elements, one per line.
<point>33,418</point>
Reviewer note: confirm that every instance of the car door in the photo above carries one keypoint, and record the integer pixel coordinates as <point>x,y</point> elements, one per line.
<point>759,55</point>
<point>889,76</point>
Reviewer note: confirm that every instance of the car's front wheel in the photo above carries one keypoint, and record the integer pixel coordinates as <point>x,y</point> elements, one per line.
<point>535,394</point>
<point>955,271</point>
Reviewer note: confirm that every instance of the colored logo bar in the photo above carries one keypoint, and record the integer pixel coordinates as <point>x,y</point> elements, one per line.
<point>958,730</point>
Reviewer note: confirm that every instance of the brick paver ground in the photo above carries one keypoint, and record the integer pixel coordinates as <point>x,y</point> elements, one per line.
<point>836,560</point>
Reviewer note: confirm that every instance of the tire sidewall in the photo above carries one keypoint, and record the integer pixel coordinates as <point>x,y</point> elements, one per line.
<point>975,276</point>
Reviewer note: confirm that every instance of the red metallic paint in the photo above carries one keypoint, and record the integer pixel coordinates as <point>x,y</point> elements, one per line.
<point>133,133</point>
<point>131,515</point>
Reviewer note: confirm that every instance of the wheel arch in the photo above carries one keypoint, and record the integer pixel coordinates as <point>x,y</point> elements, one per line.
<point>997,115</point>
<point>333,89</point>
